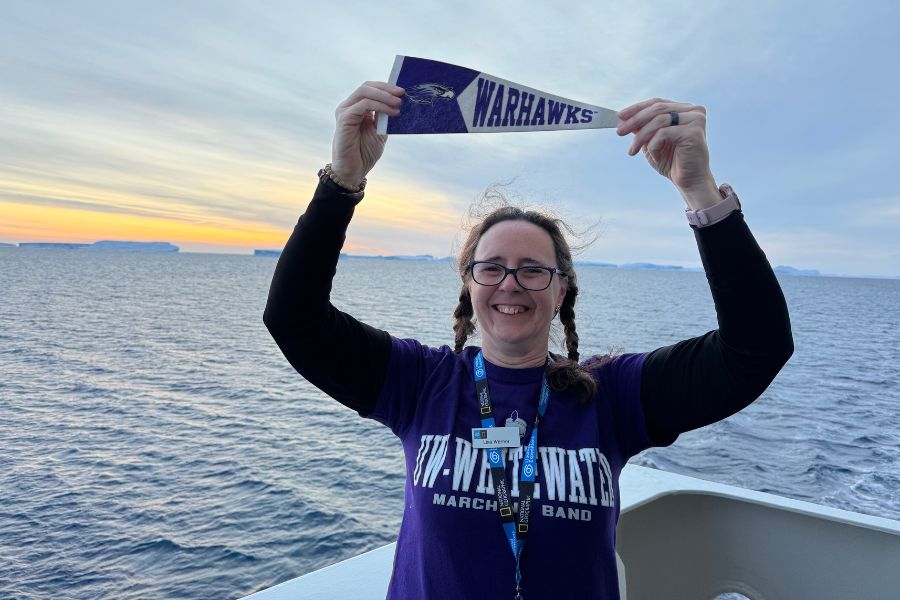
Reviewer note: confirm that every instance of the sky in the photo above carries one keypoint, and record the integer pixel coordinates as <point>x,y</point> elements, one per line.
<point>204,123</point>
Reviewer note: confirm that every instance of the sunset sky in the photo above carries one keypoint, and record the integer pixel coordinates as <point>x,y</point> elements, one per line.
<point>204,123</point>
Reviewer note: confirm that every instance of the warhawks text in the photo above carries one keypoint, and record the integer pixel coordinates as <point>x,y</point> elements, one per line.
<point>497,105</point>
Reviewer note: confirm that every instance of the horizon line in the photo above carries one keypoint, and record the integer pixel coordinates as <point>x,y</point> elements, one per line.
<point>628,266</point>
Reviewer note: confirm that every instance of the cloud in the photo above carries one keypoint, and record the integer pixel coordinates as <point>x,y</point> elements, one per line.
<point>877,213</point>
<point>829,252</point>
<point>223,112</point>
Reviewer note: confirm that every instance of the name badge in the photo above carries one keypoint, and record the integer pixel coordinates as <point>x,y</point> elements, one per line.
<point>495,437</point>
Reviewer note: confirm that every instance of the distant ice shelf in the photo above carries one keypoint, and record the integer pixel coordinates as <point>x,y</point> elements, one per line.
<point>343,255</point>
<point>104,245</point>
<point>419,257</point>
<point>786,270</point>
<point>634,266</point>
<point>52,246</point>
<point>650,266</point>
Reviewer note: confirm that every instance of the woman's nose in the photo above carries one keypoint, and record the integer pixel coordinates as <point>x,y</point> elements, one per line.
<point>509,283</point>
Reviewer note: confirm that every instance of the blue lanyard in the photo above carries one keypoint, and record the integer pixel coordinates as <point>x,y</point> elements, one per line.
<point>516,529</point>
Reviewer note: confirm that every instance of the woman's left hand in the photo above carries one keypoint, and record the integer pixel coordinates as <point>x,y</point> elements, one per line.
<point>678,152</point>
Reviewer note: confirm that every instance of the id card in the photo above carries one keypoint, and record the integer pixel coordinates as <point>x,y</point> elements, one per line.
<point>495,437</point>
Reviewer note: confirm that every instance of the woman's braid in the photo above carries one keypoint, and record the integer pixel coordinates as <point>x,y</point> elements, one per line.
<point>567,318</point>
<point>463,326</point>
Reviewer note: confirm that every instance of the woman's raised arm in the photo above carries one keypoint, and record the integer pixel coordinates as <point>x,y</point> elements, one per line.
<point>708,378</point>
<point>341,356</point>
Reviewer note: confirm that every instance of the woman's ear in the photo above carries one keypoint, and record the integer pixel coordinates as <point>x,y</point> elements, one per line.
<point>562,294</point>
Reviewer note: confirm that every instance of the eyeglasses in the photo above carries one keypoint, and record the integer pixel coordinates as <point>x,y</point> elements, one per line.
<point>531,278</point>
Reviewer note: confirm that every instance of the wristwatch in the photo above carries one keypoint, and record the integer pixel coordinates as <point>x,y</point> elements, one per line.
<point>705,217</point>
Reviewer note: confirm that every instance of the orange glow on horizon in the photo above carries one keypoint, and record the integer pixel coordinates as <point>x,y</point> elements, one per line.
<point>393,210</point>
<point>26,223</point>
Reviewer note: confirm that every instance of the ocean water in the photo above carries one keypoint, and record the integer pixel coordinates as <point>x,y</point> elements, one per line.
<point>156,444</point>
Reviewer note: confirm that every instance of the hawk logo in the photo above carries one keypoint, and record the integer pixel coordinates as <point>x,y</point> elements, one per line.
<point>426,93</point>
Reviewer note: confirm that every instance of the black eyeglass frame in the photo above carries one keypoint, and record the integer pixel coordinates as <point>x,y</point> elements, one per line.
<point>515,273</point>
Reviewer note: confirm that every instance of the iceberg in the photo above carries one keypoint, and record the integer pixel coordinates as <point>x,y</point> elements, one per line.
<point>651,266</point>
<point>52,246</point>
<point>786,270</point>
<point>119,246</point>
<point>421,257</point>
<point>427,257</point>
<point>106,245</point>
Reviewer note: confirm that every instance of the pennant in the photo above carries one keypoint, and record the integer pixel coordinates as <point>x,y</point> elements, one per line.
<point>445,98</point>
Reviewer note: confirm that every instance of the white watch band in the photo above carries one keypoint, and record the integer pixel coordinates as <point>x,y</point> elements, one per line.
<point>705,217</point>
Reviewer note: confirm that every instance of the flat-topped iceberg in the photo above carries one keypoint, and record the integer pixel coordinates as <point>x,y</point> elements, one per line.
<point>120,246</point>
<point>651,266</point>
<point>52,246</point>
<point>786,270</point>
<point>427,257</point>
<point>591,263</point>
<point>106,245</point>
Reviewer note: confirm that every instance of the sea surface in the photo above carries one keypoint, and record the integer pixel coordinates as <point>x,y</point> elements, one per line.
<point>154,443</point>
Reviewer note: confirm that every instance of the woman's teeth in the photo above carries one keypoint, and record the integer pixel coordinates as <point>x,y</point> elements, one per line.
<point>510,309</point>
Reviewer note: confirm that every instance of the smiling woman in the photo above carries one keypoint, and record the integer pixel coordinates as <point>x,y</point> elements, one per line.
<point>514,319</point>
<point>557,501</point>
<point>527,301</point>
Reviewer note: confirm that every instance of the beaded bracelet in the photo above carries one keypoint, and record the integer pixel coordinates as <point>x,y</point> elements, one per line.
<point>329,172</point>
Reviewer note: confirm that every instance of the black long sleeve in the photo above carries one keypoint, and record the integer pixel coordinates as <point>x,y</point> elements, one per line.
<point>346,359</point>
<point>708,378</point>
<point>684,386</point>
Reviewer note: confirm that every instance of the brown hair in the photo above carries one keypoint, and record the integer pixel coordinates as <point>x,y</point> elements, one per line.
<point>562,374</point>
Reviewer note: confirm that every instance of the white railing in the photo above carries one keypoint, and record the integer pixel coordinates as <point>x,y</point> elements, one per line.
<point>682,538</point>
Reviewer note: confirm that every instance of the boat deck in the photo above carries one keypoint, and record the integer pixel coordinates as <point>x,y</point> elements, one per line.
<point>682,538</point>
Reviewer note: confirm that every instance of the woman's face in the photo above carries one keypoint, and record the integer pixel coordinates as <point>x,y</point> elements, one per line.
<point>514,320</point>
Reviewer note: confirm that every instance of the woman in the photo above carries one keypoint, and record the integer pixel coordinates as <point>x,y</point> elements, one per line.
<point>555,494</point>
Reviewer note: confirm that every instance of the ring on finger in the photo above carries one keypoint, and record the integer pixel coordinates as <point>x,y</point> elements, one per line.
<point>673,118</point>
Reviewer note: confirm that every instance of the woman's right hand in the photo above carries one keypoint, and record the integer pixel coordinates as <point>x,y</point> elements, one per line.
<point>357,147</point>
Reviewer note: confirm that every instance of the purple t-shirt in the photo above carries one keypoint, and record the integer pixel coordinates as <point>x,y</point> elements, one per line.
<point>451,544</point>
